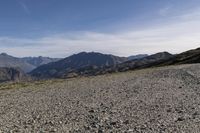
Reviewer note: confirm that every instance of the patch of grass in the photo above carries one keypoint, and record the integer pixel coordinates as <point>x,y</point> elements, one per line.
<point>35,84</point>
<point>6,86</point>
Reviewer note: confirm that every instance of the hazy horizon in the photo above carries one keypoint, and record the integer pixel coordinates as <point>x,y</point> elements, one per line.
<point>60,28</point>
<point>88,52</point>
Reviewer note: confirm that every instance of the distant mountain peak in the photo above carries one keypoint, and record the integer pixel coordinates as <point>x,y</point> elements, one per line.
<point>139,56</point>
<point>4,54</point>
<point>162,55</point>
<point>89,53</point>
<point>75,62</point>
<point>26,64</point>
<point>164,52</point>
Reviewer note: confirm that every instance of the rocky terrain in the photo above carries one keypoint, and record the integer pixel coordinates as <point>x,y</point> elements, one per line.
<point>159,100</point>
<point>12,75</point>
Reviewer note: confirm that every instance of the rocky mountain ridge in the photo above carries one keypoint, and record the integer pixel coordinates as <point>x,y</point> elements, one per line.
<point>75,62</point>
<point>26,64</point>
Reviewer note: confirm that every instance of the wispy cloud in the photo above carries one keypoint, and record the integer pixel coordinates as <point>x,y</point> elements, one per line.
<point>165,10</point>
<point>175,37</point>
<point>24,6</point>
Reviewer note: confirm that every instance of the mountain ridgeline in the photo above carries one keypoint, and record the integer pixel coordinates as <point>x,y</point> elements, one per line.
<point>14,62</point>
<point>188,57</point>
<point>26,64</point>
<point>88,64</point>
<point>125,66</point>
<point>38,61</point>
<point>62,68</point>
<point>139,56</point>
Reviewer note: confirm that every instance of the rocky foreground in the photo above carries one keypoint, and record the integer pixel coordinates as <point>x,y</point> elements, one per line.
<point>160,100</point>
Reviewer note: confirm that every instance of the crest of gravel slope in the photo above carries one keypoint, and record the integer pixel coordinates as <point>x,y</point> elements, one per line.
<point>160,100</point>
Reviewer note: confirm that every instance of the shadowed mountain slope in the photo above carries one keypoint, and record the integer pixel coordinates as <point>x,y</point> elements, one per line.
<point>156,60</point>
<point>38,61</point>
<point>125,66</point>
<point>84,64</point>
<point>10,61</point>
<point>188,57</point>
<point>26,64</point>
<point>12,74</point>
<point>139,56</point>
<point>75,62</point>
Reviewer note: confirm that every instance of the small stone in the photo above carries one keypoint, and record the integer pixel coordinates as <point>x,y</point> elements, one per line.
<point>100,131</point>
<point>113,123</point>
<point>53,130</point>
<point>130,130</point>
<point>169,110</point>
<point>180,119</point>
<point>126,122</point>
<point>91,111</point>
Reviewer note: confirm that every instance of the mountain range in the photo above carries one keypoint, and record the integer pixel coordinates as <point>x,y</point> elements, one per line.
<point>88,64</point>
<point>26,64</point>
<point>124,66</point>
<point>62,67</point>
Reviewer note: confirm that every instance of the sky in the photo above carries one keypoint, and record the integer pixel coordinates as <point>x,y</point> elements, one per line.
<point>59,28</point>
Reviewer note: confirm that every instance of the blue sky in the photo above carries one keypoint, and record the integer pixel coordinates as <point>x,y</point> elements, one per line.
<point>59,28</point>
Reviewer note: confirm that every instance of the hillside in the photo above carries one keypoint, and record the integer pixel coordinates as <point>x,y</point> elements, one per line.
<point>12,74</point>
<point>124,66</point>
<point>188,57</point>
<point>26,64</point>
<point>155,60</point>
<point>143,62</point>
<point>90,64</point>
<point>10,61</point>
<point>139,56</point>
<point>60,68</point>
<point>38,61</point>
<point>146,101</point>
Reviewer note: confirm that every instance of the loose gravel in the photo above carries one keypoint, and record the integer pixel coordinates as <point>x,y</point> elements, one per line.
<point>158,100</point>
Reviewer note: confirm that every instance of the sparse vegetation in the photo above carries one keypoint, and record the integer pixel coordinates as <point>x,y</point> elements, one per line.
<point>164,99</point>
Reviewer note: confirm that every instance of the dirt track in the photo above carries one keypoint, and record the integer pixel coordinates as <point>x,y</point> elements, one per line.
<point>160,100</point>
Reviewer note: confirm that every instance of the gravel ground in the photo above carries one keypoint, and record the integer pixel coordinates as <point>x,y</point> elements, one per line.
<point>159,100</point>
